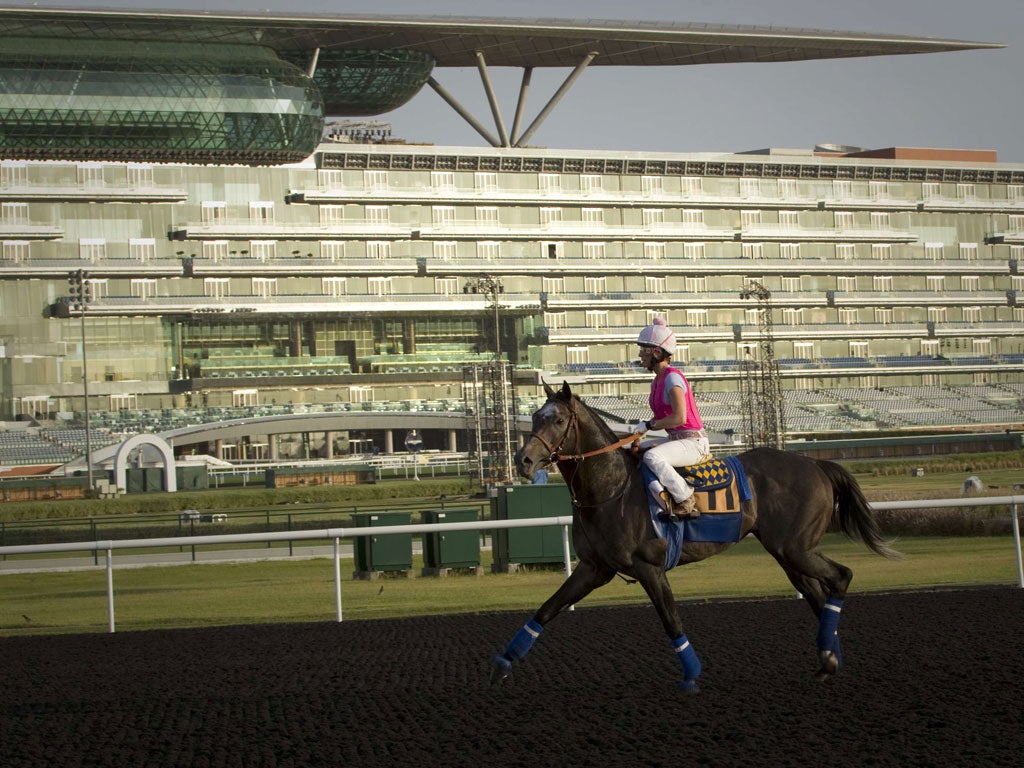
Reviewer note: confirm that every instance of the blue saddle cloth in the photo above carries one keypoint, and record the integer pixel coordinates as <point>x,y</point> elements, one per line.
<point>718,528</point>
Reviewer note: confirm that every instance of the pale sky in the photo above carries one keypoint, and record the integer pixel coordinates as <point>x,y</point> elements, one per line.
<point>968,100</point>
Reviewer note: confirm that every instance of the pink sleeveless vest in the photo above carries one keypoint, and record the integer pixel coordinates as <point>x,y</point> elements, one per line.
<point>661,409</point>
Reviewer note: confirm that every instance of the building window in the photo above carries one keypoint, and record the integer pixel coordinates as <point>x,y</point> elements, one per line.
<point>443,215</point>
<point>930,347</point>
<point>692,216</point>
<point>792,283</point>
<point>654,251</point>
<point>597,318</point>
<point>881,282</point>
<point>264,287</point>
<point>859,349</point>
<point>577,355</point>
<point>549,182</point>
<point>694,250</point>
<point>124,402</point>
<point>595,285</point>
<point>331,179</point>
<point>376,181</point>
<point>100,287</point>
<point>697,317</point>
<point>360,394</point>
<point>878,190</point>
<point>842,189</point>
<point>486,214</point>
<point>13,173</point>
<point>334,286</point>
<point>442,181</point>
<point>446,286</point>
<point>14,213</point>
<point>332,249</point>
<point>332,214</point>
<point>982,346</point>
<point>487,250</point>
<point>972,314</point>
<point>1015,222</point>
<point>550,216</point>
<point>655,284</point>
<point>244,398</point>
<point>752,250</point>
<point>792,315</point>
<point>213,287</point>
<point>789,189</point>
<point>936,314</point>
<point>551,250</point>
<point>142,248</point>
<point>651,216</point>
<point>846,251</point>
<point>140,175</point>
<point>789,218</point>
<point>966,192</point>
<point>485,182</point>
<point>936,283</point>
<point>880,220</point>
<point>803,350</point>
<point>931,190</point>
<point>692,185</point>
<point>16,250</point>
<point>884,315</point>
<point>595,250</point>
<point>214,211</point>
<point>552,284</point>
<point>445,250</point>
<point>379,286</point>
<point>846,283</point>
<point>968,251</point>
<point>970,283</point>
<point>592,215</point>
<point>1015,192</point>
<point>789,251</point>
<point>843,219</point>
<point>264,250</point>
<point>933,251</point>
<point>92,248</point>
<point>590,183</point>
<point>377,214</point>
<point>378,249</point>
<point>848,315</point>
<point>750,187</point>
<point>652,185</point>
<point>698,284</point>
<point>750,218</point>
<point>215,250</point>
<point>555,320</point>
<point>90,174</point>
<point>881,251</point>
<point>261,212</point>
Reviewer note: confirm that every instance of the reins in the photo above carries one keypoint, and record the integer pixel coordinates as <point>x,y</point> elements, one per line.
<point>553,452</point>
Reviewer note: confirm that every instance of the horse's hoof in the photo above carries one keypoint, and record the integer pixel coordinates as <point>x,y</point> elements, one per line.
<point>688,686</point>
<point>501,669</point>
<point>829,665</point>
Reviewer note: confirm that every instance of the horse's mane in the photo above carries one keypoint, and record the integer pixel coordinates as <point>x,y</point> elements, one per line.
<point>606,431</point>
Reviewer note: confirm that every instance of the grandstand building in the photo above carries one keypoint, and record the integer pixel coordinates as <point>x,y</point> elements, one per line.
<point>366,275</point>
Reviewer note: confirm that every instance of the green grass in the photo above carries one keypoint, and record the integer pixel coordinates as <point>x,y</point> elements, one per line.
<point>303,590</point>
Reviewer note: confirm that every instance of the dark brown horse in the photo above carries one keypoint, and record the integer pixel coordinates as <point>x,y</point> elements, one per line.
<point>795,500</point>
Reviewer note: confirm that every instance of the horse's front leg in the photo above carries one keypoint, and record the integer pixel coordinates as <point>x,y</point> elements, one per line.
<point>581,582</point>
<point>657,588</point>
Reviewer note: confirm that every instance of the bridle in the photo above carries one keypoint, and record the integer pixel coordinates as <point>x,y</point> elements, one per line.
<point>554,452</point>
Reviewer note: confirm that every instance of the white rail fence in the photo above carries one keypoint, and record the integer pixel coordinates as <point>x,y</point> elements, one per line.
<point>337,534</point>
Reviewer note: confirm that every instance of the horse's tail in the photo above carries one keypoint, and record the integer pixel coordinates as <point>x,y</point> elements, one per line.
<point>852,514</point>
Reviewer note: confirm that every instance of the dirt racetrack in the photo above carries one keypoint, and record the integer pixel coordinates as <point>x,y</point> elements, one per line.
<point>931,679</point>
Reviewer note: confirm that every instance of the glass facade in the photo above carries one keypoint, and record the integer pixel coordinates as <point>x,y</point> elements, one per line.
<point>156,101</point>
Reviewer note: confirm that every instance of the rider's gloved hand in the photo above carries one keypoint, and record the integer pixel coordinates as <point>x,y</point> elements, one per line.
<point>643,426</point>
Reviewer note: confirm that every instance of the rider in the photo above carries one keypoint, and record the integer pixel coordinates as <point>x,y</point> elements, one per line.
<point>675,411</point>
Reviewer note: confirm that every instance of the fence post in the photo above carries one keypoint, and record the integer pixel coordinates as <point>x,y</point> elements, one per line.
<point>1016,541</point>
<point>110,590</point>
<point>337,576</point>
<point>566,556</point>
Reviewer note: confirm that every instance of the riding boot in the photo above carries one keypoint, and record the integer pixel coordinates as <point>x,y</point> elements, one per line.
<point>685,510</point>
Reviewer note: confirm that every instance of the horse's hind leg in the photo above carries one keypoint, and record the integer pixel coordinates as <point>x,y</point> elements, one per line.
<point>823,583</point>
<point>581,582</point>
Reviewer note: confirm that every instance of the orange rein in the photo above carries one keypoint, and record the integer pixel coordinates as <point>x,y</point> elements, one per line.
<point>633,438</point>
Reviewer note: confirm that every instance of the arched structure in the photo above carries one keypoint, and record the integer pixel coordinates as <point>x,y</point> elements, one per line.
<point>124,451</point>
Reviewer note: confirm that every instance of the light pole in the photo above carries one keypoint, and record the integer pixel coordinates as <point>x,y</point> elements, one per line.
<point>414,444</point>
<point>81,295</point>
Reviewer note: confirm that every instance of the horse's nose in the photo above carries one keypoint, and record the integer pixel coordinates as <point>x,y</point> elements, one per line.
<point>523,463</point>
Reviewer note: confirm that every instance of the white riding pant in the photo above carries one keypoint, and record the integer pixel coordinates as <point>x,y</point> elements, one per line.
<point>663,454</point>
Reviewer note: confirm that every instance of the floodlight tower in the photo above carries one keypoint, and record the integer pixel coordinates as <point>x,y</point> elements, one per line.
<point>762,391</point>
<point>80,289</point>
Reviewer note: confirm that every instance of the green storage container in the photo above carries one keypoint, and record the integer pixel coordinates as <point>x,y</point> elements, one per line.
<point>451,549</point>
<point>530,545</point>
<point>388,552</point>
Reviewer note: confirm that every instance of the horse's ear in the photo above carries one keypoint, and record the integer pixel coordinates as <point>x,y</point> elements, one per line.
<point>548,390</point>
<point>566,392</point>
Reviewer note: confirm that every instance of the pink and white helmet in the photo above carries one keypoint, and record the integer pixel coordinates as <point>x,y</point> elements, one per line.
<point>658,335</point>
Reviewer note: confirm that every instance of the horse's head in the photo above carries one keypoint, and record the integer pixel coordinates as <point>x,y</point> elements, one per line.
<point>554,431</point>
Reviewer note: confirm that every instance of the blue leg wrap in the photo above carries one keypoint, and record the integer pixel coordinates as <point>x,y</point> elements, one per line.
<point>687,657</point>
<point>828,626</point>
<point>523,641</point>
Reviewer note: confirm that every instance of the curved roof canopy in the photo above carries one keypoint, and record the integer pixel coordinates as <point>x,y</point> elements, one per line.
<point>93,83</point>
<point>454,41</point>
